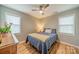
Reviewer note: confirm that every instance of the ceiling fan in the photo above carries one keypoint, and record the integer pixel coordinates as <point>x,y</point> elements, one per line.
<point>41,8</point>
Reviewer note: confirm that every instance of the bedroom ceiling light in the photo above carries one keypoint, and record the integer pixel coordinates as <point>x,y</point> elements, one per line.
<point>41,8</point>
<point>41,11</point>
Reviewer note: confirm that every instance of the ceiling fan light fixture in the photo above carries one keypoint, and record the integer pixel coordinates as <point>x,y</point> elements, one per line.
<point>41,11</point>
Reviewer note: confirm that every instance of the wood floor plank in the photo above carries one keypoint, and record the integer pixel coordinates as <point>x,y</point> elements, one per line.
<point>57,48</point>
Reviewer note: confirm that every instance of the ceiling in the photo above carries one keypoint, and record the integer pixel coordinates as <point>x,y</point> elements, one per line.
<point>52,9</point>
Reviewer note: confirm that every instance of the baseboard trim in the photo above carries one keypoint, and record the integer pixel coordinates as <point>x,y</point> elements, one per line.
<point>68,44</point>
<point>21,42</point>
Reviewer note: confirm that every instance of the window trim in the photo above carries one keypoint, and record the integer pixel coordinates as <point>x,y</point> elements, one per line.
<point>12,14</point>
<point>73,33</point>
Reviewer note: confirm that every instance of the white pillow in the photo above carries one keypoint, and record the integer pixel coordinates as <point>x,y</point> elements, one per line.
<point>48,30</point>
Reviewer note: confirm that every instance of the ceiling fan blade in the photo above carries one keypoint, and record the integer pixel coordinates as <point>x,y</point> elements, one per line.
<point>35,10</point>
<point>47,5</point>
<point>41,6</point>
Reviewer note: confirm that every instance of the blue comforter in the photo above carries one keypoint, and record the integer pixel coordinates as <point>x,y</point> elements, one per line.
<point>43,46</point>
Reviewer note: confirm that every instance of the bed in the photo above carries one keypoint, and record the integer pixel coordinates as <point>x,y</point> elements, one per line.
<point>43,40</point>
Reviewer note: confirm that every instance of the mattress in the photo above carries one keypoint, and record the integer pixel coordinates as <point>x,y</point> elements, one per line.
<point>40,37</point>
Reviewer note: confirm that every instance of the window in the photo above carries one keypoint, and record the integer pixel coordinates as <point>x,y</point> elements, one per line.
<point>66,24</point>
<point>15,20</point>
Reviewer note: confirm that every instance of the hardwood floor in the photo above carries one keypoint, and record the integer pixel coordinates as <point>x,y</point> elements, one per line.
<point>26,48</point>
<point>57,48</point>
